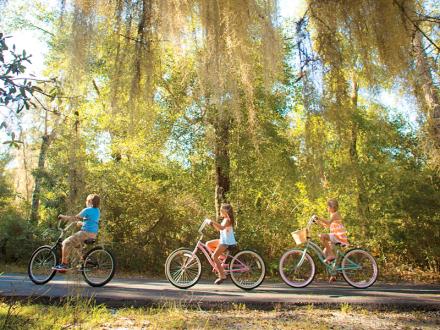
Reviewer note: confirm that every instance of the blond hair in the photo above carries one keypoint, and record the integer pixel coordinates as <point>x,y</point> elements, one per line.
<point>94,200</point>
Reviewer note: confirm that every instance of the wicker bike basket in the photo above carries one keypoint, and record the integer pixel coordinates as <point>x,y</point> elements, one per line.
<point>300,236</point>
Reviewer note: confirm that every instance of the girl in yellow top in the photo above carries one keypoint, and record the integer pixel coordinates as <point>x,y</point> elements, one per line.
<point>338,234</point>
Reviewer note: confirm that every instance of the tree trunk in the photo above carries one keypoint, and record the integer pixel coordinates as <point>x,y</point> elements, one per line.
<point>430,92</point>
<point>362,199</point>
<point>46,141</point>
<point>76,167</point>
<point>222,162</point>
<point>38,176</point>
<point>142,53</point>
<point>25,166</point>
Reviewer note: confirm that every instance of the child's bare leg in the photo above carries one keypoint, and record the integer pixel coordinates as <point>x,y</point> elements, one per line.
<point>328,249</point>
<point>330,252</point>
<point>212,244</point>
<point>64,255</point>
<point>218,252</point>
<point>65,250</point>
<point>322,237</point>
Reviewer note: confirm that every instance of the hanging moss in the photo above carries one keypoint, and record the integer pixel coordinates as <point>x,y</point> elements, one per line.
<point>380,41</point>
<point>231,37</point>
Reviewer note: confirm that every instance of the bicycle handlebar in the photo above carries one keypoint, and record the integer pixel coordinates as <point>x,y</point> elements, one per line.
<point>311,221</point>
<point>202,226</point>
<point>65,228</point>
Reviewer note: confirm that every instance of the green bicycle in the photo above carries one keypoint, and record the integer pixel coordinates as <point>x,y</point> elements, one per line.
<point>297,268</point>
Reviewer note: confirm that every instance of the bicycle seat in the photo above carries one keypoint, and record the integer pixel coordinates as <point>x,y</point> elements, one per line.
<point>90,241</point>
<point>341,245</point>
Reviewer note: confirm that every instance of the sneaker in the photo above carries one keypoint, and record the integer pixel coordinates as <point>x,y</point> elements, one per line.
<point>62,268</point>
<point>219,281</point>
<point>332,279</point>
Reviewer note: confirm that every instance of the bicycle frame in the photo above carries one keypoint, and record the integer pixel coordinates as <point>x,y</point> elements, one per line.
<point>58,245</point>
<point>310,245</point>
<point>330,267</point>
<point>240,268</point>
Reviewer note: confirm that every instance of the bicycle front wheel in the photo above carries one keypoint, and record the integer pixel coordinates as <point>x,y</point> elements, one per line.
<point>297,268</point>
<point>182,269</point>
<point>359,269</point>
<point>247,269</point>
<point>99,267</point>
<point>40,267</point>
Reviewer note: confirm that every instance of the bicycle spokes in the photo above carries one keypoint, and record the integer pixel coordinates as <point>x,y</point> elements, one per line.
<point>98,267</point>
<point>186,270</point>
<point>239,266</point>
<point>247,270</point>
<point>359,268</point>
<point>183,269</point>
<point>40,265</point>
<point>297,268</point>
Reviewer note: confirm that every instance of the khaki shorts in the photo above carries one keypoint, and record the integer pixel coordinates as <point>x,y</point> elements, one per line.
<point>76,240</point>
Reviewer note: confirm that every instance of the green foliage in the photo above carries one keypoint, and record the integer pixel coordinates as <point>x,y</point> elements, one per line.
<point>17,237</point>
<point>12,64</point>
<point>147,212</point>
<point>143,137</point>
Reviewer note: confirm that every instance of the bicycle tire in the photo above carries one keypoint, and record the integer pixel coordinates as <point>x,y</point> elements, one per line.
<point>283,267</point>
<point>243,283</point>
<point>88,262</point>
<point>51,272</point>
<point>363,284</point>
<point>170,274</point>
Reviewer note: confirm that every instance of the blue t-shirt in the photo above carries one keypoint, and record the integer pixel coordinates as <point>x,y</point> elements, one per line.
<point>91,215</point>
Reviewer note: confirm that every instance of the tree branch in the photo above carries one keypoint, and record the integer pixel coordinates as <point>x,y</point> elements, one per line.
<point>415,25</point>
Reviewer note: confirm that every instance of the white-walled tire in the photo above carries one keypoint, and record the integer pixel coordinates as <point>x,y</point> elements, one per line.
<point>254,276</point>
<point>182,269</point>
<point>296,271</point>
<point>359,268</point>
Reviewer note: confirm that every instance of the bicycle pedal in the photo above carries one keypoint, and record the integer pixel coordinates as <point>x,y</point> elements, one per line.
<point>63,271</point>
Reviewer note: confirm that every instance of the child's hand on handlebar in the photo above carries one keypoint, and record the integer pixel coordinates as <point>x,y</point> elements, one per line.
<point>208,221</point>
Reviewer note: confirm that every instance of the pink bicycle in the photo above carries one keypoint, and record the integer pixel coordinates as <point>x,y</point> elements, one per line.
<point>183,267</point>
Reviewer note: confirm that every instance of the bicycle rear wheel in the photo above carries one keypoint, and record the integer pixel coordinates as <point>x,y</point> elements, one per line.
<point>182,269</point>
<point>98,267</point>
<point>40,267</point>
<point>297,269</point>
<point>247,269</point>
<point>359,269</point>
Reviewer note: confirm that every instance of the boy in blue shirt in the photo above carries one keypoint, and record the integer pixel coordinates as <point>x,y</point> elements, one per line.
<point>88,218</point>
